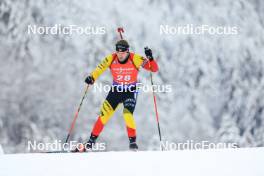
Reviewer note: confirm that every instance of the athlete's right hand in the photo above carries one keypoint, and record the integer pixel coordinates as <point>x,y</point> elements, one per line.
<point>89,80</point>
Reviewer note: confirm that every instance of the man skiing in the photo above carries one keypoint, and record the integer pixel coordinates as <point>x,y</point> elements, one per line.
<point>124,66</point>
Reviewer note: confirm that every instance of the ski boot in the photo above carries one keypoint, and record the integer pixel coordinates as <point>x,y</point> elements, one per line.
<point>88,146</point>
<point>132,144</point>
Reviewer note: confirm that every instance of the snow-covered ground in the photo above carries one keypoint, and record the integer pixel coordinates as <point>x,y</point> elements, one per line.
<point>221,162</point>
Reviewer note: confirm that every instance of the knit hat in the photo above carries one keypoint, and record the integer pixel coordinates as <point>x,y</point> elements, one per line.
<point>122,45</point>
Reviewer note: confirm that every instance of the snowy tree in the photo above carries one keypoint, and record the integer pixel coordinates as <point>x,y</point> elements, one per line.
<point>217,80</point>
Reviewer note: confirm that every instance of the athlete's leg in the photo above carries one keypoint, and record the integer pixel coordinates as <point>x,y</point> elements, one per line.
<point>106,112</point>
<point>129,107</point>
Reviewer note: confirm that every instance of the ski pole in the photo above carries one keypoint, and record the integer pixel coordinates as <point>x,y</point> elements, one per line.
<point>120,30</point>
<point>76,115</point>
<point>156,109</point>
<point>155,105</point>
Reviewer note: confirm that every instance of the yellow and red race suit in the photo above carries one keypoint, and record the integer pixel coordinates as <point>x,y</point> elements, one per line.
<point>123,74</point>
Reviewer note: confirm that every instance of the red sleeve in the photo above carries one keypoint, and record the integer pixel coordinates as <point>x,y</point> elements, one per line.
<point>151,65</point>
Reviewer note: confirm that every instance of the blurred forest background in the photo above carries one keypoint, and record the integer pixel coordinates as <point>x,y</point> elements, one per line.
<point>217,80</point>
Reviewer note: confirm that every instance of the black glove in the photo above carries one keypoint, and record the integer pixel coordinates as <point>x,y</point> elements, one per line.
<point>148,53</point>
<point>89,80</point>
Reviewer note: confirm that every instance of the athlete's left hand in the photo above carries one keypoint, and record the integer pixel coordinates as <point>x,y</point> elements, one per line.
<point>148,53</point>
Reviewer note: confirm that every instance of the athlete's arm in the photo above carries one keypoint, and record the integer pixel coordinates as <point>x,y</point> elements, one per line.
<point>102,67</point>
<point>150,65</point>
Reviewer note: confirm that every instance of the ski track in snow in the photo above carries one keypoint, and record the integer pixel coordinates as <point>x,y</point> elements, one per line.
<point>220,162</point>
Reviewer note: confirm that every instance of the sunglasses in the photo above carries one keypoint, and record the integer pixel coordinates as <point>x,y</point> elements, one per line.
<point>120,48</point>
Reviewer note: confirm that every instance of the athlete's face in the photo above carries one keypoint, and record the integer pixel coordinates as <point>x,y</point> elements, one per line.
<point>122,55</point>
